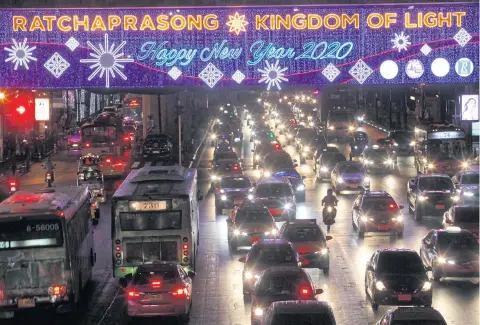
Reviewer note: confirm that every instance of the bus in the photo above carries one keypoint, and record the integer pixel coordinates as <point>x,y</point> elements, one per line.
<point>105,137</point>
<point>440,148</point>
<point>46,249</point>
<point>155,218</point>
<point>340,123</point>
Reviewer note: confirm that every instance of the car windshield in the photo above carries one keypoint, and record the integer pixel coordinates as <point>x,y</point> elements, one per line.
<point>303,319</point>
<point>89,175</point>
<point>272,255</point>
<point>279,285</point>
<point>273,190</point>
<point>400,263</point>
<point>352,169</point>
<point>227,164</point>
<point>435,184</point>
<point>226,155</point>
<point>457,242</point>
<point>379,204</point>
<point>467,214</point>
<point>418,322</point>
<point>339,118</point>
<point>332,159</point>
<point>275,162</point>
<point>303,234</point>
<point>145,278</point>
<point>379,153</point>
<point>471,179</point>
<point>253,216</point>
<point>236,182</point>
<point>150,141</point>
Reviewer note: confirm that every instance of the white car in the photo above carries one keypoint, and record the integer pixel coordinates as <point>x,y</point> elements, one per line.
<point>350,176</point>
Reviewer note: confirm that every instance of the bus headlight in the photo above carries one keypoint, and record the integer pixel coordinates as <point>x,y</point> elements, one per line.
<point>213,136</point>
<point>465,164</point>
<point>388,162</point>
<point>223,197</point>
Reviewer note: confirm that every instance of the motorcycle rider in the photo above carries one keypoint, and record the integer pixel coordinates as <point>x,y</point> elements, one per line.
<point>329,200</point>
<point>49,167</point>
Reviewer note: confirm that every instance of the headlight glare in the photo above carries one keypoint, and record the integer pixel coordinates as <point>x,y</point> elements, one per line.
<point>258,312</point>
<point>455,198</point>
<point>223,197</point>
<point>366,179</point>
<point>469,194</point>
<point>301,187</point>
<point>324,169</point>
<point>427,286</point>
<point>250,196</point>
<point>236,232</point>
<point>340,180</point>
<point>287,206</point>
<point>380,286</point>
<point>423,198</point>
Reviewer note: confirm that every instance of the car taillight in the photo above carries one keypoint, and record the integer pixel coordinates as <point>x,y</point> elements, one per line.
<point>108,160</point>
<point>305,292</point>
<point>235,167</point>
<point>392,207</point>
<point>156,284</point>
<point>276,147</point>
<point>126,138</point>
<point>132,294</point>
<point>57,290</point>
<point>87,144</point>
<point>179,292</point>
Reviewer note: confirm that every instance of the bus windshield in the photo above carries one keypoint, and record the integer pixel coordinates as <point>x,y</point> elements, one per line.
<point>339,118</point>
<point>155,220</point>
<point>99,134</point>
<point>447,149</point>
<point>20,234</point>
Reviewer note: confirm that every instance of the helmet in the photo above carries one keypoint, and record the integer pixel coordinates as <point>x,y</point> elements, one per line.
<point>329,191</point>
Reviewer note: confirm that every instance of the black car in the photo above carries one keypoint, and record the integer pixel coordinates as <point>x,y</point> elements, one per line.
<point>412,316</point>
<point>359,144</point>
<point>430,195</point>
<point>402,141</point>
<point>307,141</point>
<point>158,147</point>
<point>262,150</point>
<point>378,159</point>
<point>304,135</point>
<point>278,195</point>
<point>224,154</point>
<point>326,163</point>
<point>232,190</point>
<point>397,277</point>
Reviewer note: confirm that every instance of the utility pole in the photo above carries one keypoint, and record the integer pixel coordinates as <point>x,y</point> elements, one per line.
<point>390,109</point>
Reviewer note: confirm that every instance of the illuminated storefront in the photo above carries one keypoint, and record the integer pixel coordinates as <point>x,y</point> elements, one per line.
<point>271,47</point>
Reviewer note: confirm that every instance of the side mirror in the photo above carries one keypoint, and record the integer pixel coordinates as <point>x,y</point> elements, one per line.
<point>411,183</point>
<point>242,259</point>
<point>328,238</point>
<point>191,274</point>
<point>401,207</point>
<point>318,291</point>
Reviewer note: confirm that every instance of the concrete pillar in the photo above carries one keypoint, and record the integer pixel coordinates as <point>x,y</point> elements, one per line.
<point>150,107</point>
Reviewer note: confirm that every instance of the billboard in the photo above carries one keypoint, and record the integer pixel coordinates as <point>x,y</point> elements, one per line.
<point>469,106</point>
<point>271,47</point>
<point>42,109</point>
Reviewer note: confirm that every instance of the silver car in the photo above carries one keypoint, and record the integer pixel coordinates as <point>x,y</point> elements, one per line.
<point>350,176</point>
<point>466,183</point>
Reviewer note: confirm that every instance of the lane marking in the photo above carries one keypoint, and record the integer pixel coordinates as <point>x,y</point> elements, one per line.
<point>109,307</point>
<point>147,164</point>
<point>135,165</point>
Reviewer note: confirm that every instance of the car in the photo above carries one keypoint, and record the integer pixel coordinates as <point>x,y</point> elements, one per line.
<point>450,252</point>
<point>304,135</point>
<point>308,143</point>
<point>249,223</point>
<point>278,195</point>
<point>316,147</point>
<point>264,254</point>
<point>258,129</point>
<point>350,175</point>
<point>308,312</point>
<point>159,289</point>
<point>359,144</point>
<point>325,164</point>
<point>157,146</point>
<point>281,283</point>
<point>291,131</point>
<point>262,149</point>
<point>319,151</point>
<point>222,155</point>
<point>442,163</point>
<point>310,243</point>
<point>397,277</point>
<point>463,216</point>
<point>403,142</point>
<point>225,167</point>
<point>377,212</point>
<point>131,131</point>
<point>466,183</point>
<point>263,135</point>
<point>430,194</point>
<point>231,191</point>
<point>412,316</point>
<point>377,159</point>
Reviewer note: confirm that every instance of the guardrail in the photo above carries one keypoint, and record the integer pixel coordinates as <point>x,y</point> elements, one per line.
<point>201,143</point>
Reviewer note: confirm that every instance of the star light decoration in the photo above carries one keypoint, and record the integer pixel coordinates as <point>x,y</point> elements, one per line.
<point>20,54</point>
<point>462,37</point>
<point>211,75</point>
<point>360,71</point>
<point>237,23</point>
<point>331,72</point>
<point>106,60</point>
<point>401,41</point>
<point>174,73</point>
<point>273,75</point>
<point>56,65</point>
<point>238,76</point>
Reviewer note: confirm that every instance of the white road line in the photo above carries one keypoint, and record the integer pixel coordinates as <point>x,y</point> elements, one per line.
<point>135,165</point>
<point>147,164</point>
<point>109,307</point>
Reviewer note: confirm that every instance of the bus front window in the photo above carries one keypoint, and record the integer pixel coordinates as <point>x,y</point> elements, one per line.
<point>447,150</point>
<point>99,134</point>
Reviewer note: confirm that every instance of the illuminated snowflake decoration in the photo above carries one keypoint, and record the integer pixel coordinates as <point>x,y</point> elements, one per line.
<point>331,72</point>
<point>211,75</point>
<point>72,43</point>
<point>462,37</point>
<point>401,42</point>
<point>56,65</point>
<point>237,23</point>
<point>426,49</point>
<point>174,73</point>
<point>106,60</point>
<point>360,71</point>
<point>273,75</point>
<point>20,54</point>
<point>238,76</point>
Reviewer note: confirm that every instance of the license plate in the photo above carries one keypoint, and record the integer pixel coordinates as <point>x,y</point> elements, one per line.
<point>440,206</point>
<point>404,297</point>
<point>383,227</point>
<point>353,186</point>
<point>26,303</point>
<point>274,211</point>
<point>238,202</point>
<point>156,151</point>
<point>255,239</point>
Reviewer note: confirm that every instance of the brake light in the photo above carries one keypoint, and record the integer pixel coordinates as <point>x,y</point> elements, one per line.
<point>57,290</point>
<point>13,183</point>
<point>132,294</point>
<point>276,146</point>
<point>305,291</point>
<point>108,160</point>
<point>392,207</point>
<point>118,248</point>
<point>156,284</point>
<point>185,246</point>
<point>87,144</point>
<point>179,292</point>
<point>126,138</point>
<point>235,167</point>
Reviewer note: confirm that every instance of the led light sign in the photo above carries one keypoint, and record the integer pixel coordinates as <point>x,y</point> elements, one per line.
<point>269,47</point>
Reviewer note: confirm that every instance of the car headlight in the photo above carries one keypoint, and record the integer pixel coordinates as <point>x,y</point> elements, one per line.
<point>455,198</point>
<point>274,231</point>
<point>214,177</point>
<point>469,194</point>
<point>356,147</point>
<point>301,187</point>
<point>289,136</point>
<point>267,174</point>
<point>323,251</point>
<point>380,286</point>
<point>364,219</point>
<point>222,190</point>
<point>395,144</point>
<point>250,196</point>
<point>250,190</point>
<point>287,206</point>
<point>368,162</point>
<point>465,164</point>
<point>412,143</point>
<point>213,136</point>
<point>257,141</point>
<point>366,179</point>
<point>324,169</point>
<point>340,180</point>
<point>248,275</point>
<point>223,197</point>
<point>430,166</point>
<point>388,161</point>
<point>351,128</point>
<point>442,260</point>
<point>258,312</point>
<point>398,219</point>
<point>423,198</point>
<point>236,232</point>
<point>331,128</point>
<point>306,149</point>
<point>360,118</point>
<point>427,286</point>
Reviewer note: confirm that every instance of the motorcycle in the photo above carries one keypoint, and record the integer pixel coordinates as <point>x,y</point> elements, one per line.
<point>94,211</point>
<point>329,214</point>
<point>49,178</point>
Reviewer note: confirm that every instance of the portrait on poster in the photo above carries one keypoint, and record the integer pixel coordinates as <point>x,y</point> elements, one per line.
<point>469,106</point>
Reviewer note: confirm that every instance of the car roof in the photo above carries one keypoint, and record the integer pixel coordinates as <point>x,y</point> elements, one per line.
<point>429,175</point>
<point>284,269</point>
<point>234,176</point>
<point>376,194</point>
<point>252,205</point>
<point>396,250</point>
<point>416,313</point>
<point>273,180</point>
<point>468,172</point>
<point>453,230</point>
<point>349,163</point>
<point>272,243</point>
<point>301,307</point>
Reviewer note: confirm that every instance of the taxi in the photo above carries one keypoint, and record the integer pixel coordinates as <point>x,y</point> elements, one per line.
<point>309,242</point>
<point>412,316</point>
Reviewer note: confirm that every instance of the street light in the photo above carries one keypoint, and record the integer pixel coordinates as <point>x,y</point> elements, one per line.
<point>259,100</point>
<point>2,96</point>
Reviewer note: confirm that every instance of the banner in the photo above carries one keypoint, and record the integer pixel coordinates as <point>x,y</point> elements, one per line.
<point>271,47</point>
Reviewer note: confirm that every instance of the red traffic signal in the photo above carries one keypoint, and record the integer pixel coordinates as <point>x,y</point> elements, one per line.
<point>21,110</point>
